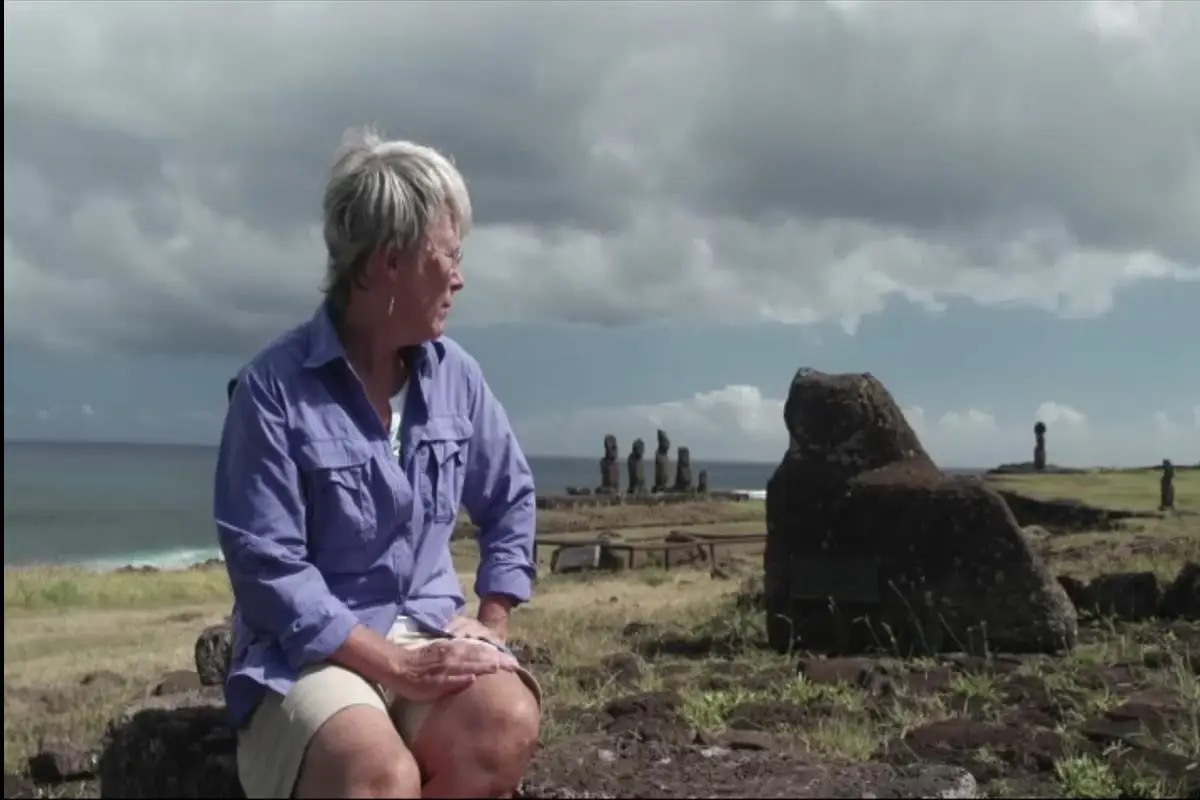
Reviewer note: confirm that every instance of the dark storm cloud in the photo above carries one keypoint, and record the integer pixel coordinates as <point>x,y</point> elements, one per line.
<point>626,160</point>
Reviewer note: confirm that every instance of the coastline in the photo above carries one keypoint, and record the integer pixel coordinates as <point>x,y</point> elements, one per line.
<point>184,558</point>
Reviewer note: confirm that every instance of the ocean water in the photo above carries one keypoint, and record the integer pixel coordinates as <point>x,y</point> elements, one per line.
<point>110,505</point>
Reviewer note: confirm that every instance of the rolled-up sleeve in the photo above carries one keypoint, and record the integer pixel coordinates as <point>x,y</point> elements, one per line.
<point>258,505</point>
<point>498,493</point>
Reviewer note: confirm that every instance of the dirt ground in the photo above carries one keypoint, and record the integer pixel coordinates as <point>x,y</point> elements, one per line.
<point>657,685</point>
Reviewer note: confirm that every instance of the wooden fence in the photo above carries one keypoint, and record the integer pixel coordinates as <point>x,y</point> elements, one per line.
<point>710,541</point>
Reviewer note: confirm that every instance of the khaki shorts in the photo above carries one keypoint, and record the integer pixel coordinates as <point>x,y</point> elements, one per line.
<point>271,747</point>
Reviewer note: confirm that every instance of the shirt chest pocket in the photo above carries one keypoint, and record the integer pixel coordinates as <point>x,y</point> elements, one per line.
<point>441,464</point>
<point>343,522</point>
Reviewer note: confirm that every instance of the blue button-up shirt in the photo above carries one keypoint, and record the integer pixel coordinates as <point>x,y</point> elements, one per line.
<point>323,529</point>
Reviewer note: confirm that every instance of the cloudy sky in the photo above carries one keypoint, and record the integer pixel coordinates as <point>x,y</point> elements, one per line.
<point>992,207</point>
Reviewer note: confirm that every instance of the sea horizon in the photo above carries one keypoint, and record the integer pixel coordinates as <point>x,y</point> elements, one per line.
<point>109,504</point>
<point>73,442</point>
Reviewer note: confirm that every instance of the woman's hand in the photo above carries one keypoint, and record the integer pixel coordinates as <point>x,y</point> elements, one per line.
<point>474,629</point>
<point>429,673</point>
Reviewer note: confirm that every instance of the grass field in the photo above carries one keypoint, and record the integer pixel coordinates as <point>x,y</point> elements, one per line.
<point>1133,489</point>
<point>79,646</point>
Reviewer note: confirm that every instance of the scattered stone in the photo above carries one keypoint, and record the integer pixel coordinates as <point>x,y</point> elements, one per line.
<point>625,668</point>
<point>1138,596</point>
<point>1132,596</point>
<point>960,742</point>
<point>748,740</point>
<point>177,682</point>
<point>1066,516</point>
<point>1035,533</point>
<point>177,746</point>
<point>561,771</point>
<point>214,648</point>
<point>649,717</point>
<point>662,463</point>
<point>61,761</point>
<point>531,655</point>
<point>1181,600</point>
<point>749,596</point>
<point>1076,590</point>
<point>19,787</point>
<point>636,468</point>
<point>575,558</point>
<point>102,679</point>
<point>870,546</point>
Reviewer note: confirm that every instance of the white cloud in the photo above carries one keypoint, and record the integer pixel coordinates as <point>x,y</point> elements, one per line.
<point>736,421</point>
<point>1163,423</point>
<point>970,420</point>
<point>741,423</point>
<point>1059,415</point>
<point>43,414</point>
<point>87,410</point>
<point>624,164</point>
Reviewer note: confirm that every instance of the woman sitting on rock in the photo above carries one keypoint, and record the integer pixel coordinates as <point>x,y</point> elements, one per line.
<point>349,444</point>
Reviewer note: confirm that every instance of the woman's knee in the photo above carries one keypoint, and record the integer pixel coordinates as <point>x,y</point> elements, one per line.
<point>358,753</point>
<point>396,777</point>
<point>482,741</point>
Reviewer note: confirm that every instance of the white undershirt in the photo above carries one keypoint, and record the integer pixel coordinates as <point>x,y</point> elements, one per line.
<point>397,404</point>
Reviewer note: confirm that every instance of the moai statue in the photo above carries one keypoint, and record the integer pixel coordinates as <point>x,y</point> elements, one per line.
<point>1166,487</point>
<point>610,469</point>
<point>662,463</point>
<point>636,467</point>
<point>683,471</point>
<point>702,482</point>
<point>1039,447</point>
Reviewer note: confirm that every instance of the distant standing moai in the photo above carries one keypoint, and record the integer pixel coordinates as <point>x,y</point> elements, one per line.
<point>1039,447</point>
<point>1166,487</point>
<point>683,471</point>
<point>702,482</point>
<point>662,463</point>
<point>636,467</point>
<point>610,469</point>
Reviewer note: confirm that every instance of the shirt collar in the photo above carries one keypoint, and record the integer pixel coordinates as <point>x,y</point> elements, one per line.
<point>324,345</point>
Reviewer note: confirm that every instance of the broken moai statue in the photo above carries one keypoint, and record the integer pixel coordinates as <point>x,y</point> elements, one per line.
<point>662,463</point>
<point>702,482</point>
<point>1166,487</point>
<point>636,467</point>
<point>610,469</point>
<point>870,545</point>
<point>683,471</point>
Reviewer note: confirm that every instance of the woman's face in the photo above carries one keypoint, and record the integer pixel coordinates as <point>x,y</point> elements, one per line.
<point>424,292</point>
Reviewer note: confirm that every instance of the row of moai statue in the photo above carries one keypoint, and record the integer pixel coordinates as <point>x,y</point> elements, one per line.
<point>610,469</point>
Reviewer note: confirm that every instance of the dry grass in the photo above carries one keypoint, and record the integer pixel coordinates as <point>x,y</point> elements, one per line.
<point>62,625</point>
<point>1160,546</point>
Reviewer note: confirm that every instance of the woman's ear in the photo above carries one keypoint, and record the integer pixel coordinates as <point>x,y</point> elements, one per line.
<point>396,261</point>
